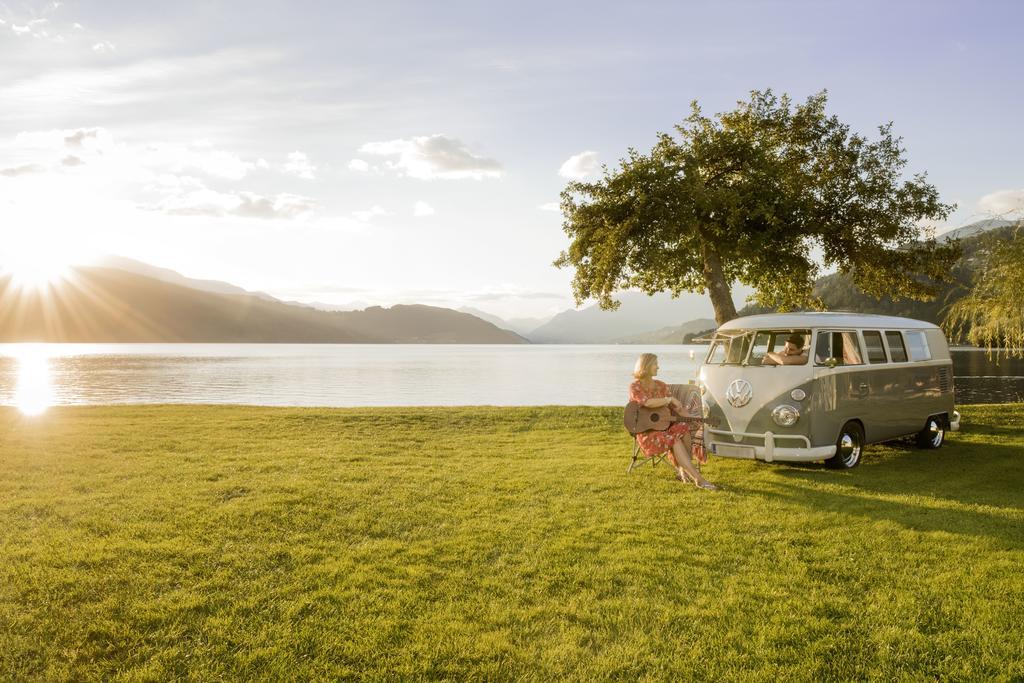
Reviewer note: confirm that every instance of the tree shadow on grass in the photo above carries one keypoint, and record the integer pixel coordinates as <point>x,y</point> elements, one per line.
<point>961,473</point>
<point>944,490</point>
<point>1006,528</point>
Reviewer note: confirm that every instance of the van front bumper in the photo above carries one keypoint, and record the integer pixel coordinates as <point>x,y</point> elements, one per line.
<point>724,443</point>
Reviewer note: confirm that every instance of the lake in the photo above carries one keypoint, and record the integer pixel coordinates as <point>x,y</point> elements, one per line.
<point>36,376</point>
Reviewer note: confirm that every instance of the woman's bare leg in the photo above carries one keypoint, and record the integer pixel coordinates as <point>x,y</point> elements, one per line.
<point>672,460</point>
<point>688,442</point>
<point>682,461</point>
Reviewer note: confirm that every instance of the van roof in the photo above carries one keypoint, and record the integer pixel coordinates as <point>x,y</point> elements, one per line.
<point>829,319</point>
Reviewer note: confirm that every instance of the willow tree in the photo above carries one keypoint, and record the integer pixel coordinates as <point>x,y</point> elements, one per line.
<point>768,195</point>
<point>991,315</point>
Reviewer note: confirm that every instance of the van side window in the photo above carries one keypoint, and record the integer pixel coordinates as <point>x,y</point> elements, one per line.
<point>779,347</point>
<point>838,348</point>
<point>896,348</point>
<point>875,347</point>
<point>917,345</point>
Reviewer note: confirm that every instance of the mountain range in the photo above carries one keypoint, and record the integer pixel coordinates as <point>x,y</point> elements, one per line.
<point>673,334</point>
<point>637,314</point>
<point>103,304</point>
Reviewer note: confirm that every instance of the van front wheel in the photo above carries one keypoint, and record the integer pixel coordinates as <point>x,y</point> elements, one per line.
<point>849,447</point>
<point>933,434</point>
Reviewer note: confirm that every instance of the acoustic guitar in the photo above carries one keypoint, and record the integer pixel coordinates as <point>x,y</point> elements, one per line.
<point>639,419</point>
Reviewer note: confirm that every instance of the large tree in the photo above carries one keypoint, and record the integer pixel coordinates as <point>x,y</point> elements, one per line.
<point>766,195</point>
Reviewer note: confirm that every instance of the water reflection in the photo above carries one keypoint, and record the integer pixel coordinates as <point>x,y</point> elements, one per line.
<point>34,392</point>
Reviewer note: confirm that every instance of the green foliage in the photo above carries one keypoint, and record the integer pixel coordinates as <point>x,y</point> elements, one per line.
<point>746,196</point>
<point>233,543</point>
<point>992,314</point>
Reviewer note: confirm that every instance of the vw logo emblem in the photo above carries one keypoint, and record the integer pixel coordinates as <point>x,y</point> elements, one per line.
<point>739,393</point>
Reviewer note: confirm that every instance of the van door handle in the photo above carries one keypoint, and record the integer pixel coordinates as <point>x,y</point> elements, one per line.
<point>863,387</point>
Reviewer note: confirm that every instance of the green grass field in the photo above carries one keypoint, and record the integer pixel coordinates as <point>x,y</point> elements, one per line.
<point>212,543</point>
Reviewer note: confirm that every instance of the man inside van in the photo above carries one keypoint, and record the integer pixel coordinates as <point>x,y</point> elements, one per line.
<point>793,352</point>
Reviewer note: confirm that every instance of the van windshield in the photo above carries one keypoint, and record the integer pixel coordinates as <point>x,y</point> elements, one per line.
<point>759,348</point>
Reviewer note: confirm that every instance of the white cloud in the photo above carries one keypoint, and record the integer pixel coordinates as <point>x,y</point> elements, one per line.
<point>188,196</point>
<point>579,166</point>
<point>16,171</point>
<point>134,172</point>
<point>358,165</point>
<point>197,156</point>
<point>278,206</point>
<point>421,208</point>
<point>91,139</point>
<point>39,28</point>
<point>1003,202</point>
<point>104,47</point>
<point>371,213</point>
<point>434,156</point>
<point>299,165</point>
<point>162,156</point>
<point>550,206</point>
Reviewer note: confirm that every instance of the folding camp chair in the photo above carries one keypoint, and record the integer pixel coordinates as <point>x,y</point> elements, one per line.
<point>655,459</point>
<point>689,396</point>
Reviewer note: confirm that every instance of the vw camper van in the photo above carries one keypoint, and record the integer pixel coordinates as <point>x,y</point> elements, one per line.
<point>842,381</point>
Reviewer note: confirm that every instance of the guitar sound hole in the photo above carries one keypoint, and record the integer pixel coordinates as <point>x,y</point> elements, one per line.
<point>655,417</point>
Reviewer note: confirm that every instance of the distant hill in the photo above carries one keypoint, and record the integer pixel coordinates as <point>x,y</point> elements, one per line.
<point>670,335</point>
<point>638,314</point>
<point>114,305</point>
<point>173,277</point>
<point>518,325</point>
<point>975,228</point>
<point>320,306</point>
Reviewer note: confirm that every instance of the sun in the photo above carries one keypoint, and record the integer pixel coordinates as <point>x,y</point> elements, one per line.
<point>34,266</point>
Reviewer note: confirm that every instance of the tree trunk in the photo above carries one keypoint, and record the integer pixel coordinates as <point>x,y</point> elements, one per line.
<point>718,288</point>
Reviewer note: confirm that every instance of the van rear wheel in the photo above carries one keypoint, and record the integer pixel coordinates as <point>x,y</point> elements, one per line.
<point>849,447</point>
<point>933,434</point>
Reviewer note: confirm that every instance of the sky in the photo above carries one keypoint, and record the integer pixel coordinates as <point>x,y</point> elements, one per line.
<point>413,152</point>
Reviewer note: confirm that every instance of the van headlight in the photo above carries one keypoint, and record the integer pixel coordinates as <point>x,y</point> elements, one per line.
<point>786,415</point>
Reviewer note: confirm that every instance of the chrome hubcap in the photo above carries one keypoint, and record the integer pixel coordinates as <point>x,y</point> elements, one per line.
<point>849,449</point>
<point>937,433</point>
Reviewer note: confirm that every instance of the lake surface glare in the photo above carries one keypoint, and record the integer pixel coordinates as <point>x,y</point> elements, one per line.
<point>36,376</point>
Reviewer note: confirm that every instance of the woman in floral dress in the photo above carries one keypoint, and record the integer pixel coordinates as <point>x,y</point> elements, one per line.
<point>675,441</point>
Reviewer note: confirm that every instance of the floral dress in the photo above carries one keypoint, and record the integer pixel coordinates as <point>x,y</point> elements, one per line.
<point>654,442</point>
